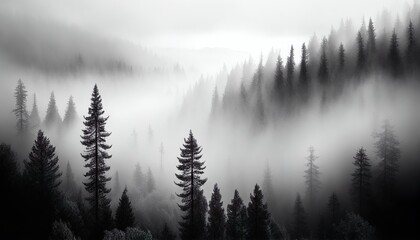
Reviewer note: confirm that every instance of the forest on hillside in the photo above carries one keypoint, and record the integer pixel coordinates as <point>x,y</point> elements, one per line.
<point>320,145</point>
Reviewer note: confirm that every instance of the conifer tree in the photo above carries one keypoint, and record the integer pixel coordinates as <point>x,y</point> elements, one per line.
<point>300,227</point>
<point>70,116</point>
<point>303,74</point>
<point>124,216</point>
<point>52,119</point>
<point>341,57</point>
<point>388,152</point>
<point>361,180</point>
<point>94,139</point>
<point>371,41</point>
<point>215,103</point>
<point>259,107</point>
<point>236,223</point>
<point>20,107</point>
<point>34,119</point>
<point>191,168</point>
<point>323,64</point>
<point>217,218</point>
<point>70,187</point>
<point>411,45</point>
<point>394,55</point>
<point>290,69</point>
<point>312,178</point>
<point>258,216</point>
<point>334,208</point>
<point>150,181</point>
<point>361,55</point>
<point>279,80</point>
<point>138,177</point>
<point>268,186</point>
<point>167,233</point>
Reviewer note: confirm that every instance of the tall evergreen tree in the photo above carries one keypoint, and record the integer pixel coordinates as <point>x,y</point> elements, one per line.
<point>150,181</point>
<point>361,180</point>
<point>138,177</point>
<point>215,103</point>
<point>94,139</point>
<point>300,227</point>
<point>290,69</point>
<point>20,107</point>
<point>312,178</point>
<point>303,74</point>
<point>191,168</point>
<point>371,41</point>
<point>70,116</point>
<point>34,119</point>
<point>70,187</point>
<point>259,107</point>
<point>334,208</point>
<point>52,119</point>
<point>394,55</point>
<point>341,57</point>
<point>388,152</point>
<point>124,216</point>
<point>411,45</point>
<point>279,80</point>
<point>268,186</point>
<point>217,218</point>
<point>236,224</point>
<point>323,64</point>
<point>361,55</point>
<point>258,216</point>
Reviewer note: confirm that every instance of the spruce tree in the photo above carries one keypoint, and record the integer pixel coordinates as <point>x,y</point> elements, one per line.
<point>334,208</point>
<point>290,69</point>
<point>300,227</point>
<point>20,108</point>
<point>323,64</point>
<point>52,119</point>
<point>361,55</point>
<point>138,178</point>
<point>236,224</point>
<point>394,55</point>
<point>124,216</point>
<point>150,181</point>
<point>303,74</point>
<point>341,57</point>
<point>411,45</point>
<point>70,187</point>
<point>371,41</point>
<point>191,168</point>
<point>312,178</point>
<point>279,80</point>
<point>361,180</point>
<point>217,218</point>
<point>70,116</point>
<point>34,119</point>
<point>388,152</point>
<point>258,216</point>
<point>94,139</point>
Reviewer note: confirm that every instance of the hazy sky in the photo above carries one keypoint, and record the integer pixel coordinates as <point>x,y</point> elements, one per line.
<point>236,24</point>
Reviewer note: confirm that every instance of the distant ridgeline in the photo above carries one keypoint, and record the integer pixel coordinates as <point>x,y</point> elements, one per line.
<point>324,70</point>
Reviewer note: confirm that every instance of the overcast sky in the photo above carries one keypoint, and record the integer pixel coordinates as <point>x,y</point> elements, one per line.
<point>237,24</point>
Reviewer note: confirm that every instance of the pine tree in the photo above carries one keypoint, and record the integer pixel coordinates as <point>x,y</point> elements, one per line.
<point>258,216</point>
<point>217,218</point>
<point>150,181</point>
<point>52,119</point>
<point>34,119</point>
<point>411,45</point>
<point>138,177</point>
<point>279,80</point>
<point>300,227</point>
<point>394,55</point>
<point>361,180</point>
<point>167,233</point>
<point>341,57</point>
<point>191,167</point>
<point>20,107</point>
<point>312,178</point>
<point>94,139</point>
<point>236,223</point>
<point>70,116</point>
<point>124,216</point>
<point>290,69</point>
<point>361,55</point>
<point>334,208</point>
<point>259,107</point>
<point>323,65</point>
<point>371,41</point>
<point>268,186</point>
<point>388,152</point>
<point>303,75</point>
<point>70,187</point>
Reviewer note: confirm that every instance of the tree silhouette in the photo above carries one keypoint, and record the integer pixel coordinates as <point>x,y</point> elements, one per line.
<point>303,74</point>
<point>323,64</point>
<point>70,116</point>
<point>300,227</point>
<point>411,45</point>
<point>236,224</point>
<point>394,55</point>
<point>52,119</point>
<point>361,55</point>
<point>138,177</point>
<point>312,178</point>
<point>290,69</point>
<point>150,181</point>
<point>341,57</point>
<point>217,218</point>
<point>20,107</point>
<point>34,119</point>
<point>70,187</point>
<point>278,80</point>
<point>371,41</point>
<point>191,168</point>
<point>334,208</point>
<point>361,180</point>
<point>124,216</point>
<point>167,233</point>
<point>258,216</point>
<point>94,139</point>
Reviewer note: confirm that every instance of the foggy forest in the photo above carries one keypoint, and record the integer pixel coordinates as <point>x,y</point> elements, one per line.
<point>202,120</point>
